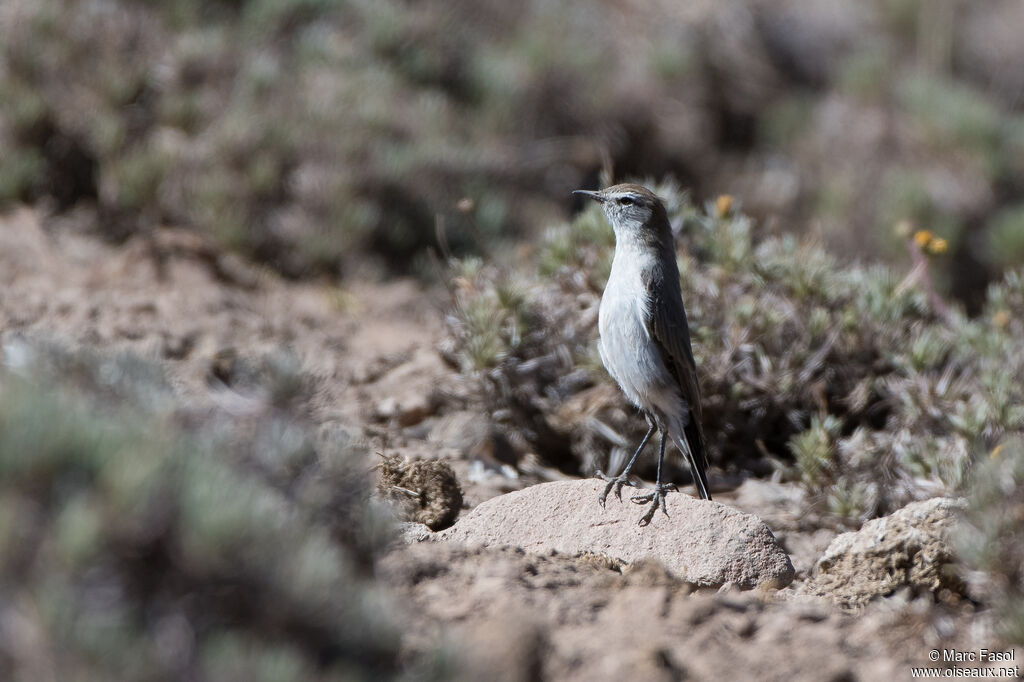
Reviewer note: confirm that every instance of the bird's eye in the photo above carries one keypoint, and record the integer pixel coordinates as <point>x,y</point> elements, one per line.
<point>625,201</point>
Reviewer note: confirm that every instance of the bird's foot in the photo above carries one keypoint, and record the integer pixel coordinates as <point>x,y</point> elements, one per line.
<point>656,498</point>
<point>615,484</point>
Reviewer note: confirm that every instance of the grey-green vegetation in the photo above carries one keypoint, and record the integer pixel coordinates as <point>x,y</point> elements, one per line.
<point>142,540</point>
<point>309,133</point>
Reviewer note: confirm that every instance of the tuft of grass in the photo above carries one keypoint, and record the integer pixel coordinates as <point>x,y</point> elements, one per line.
<point>814,451</point>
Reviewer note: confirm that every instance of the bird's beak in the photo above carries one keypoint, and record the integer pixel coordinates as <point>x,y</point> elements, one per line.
<point>587,193</point>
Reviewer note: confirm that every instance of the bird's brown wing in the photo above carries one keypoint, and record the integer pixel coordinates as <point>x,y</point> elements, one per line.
<point>667,325</point>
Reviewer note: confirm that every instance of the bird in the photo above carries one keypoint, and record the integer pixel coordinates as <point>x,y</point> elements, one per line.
<point>645,340</point>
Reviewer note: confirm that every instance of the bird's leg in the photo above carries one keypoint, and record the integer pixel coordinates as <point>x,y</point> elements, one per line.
<point>657,496</point>
<point>616,482</point>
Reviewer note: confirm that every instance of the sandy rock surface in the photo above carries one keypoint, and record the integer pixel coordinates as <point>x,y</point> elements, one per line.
<point>707,543</point>
<point>519,616</point>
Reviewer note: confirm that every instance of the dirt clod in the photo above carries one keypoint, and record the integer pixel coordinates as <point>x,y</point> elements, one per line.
<point>425,491</point>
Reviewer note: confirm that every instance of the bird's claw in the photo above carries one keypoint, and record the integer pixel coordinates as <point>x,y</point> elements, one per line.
<point>656,498</point>
<point>615,484</point>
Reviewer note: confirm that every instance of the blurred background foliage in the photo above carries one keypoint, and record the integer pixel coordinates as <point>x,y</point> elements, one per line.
<point>145,539</point>
<point>310,133</point>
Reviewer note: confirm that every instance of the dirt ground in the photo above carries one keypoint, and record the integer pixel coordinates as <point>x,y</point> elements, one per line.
<point>503,613</point>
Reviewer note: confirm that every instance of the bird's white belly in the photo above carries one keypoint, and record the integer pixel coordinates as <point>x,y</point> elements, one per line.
<point>627,350</point>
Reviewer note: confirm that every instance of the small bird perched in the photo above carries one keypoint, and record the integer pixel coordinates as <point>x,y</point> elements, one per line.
<point>645,342</point>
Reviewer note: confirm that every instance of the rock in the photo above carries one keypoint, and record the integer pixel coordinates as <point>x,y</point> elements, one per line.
<point>907,548</point>
<point>706,543</point>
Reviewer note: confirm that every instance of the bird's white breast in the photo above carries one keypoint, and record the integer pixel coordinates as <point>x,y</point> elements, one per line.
<point>627,350</point>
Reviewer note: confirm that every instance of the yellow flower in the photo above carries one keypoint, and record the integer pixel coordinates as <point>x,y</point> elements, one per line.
<point>995,451</point>
<point>922,237</point>
<point>937,245</point>
<point>1001,318</point>
<point>722,205</point>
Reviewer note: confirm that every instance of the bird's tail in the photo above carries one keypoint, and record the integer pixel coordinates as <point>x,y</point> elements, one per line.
<point>691,444</point>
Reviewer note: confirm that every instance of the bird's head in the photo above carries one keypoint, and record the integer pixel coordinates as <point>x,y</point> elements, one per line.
<point>633,211</point>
